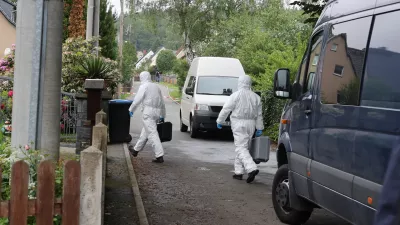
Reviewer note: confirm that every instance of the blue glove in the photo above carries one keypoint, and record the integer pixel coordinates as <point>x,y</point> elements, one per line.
<point>130,114</point>
<point>219,126</point>
<point>161,119</point>
<point>258,133</point>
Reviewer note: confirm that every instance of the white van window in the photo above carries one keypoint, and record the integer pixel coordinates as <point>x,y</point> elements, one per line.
<point>382,76</point>
<point>217,85</point>
<point>343,68</point>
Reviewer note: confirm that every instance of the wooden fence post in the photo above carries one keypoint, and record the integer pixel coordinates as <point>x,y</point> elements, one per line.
<point>71,193</point>
<point>19,193</point>
<point>45,193</point>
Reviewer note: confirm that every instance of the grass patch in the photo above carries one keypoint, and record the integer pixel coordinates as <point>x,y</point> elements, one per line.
<point>68,138</point>
<point>125,96</point>
<point>174,91</point>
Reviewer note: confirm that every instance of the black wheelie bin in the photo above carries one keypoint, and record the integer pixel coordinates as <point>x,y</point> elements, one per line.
<point>119,120</point>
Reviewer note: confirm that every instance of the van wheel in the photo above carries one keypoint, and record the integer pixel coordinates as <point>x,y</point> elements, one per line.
<point>193,128</point>
<point>184,128</point>
<point>280,199</point>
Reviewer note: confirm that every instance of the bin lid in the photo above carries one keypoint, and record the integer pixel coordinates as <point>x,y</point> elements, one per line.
<point>120,101</point>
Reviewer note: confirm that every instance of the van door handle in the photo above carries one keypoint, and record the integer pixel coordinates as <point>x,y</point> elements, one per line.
<point>307,111</point>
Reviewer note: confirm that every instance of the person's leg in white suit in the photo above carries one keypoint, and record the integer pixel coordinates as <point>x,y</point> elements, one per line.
<point>242,133</point>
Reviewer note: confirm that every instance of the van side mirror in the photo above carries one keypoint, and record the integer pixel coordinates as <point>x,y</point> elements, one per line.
<point>189,91</point>
<point>282,84</point>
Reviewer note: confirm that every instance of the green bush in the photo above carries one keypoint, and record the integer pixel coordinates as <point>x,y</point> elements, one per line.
<point>75,52</point>
<point>181,68</point>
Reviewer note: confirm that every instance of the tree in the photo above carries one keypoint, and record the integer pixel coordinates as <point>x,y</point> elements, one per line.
<point>108,31</point>
<point>313,8</point>
<point>77,25</point>
<point>165,61</point>
<point>128,61</point>
<point>67,12</point>
<point>195,17</point>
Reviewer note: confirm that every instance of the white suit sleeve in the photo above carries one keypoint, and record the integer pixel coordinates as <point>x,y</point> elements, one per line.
<point>163,110</point>
<point>138,98</point>
<point>229,106</point>
<point>259,121</point>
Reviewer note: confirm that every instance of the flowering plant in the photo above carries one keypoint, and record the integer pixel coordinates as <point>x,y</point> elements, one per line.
<point>33,157</point>
<point>7,63</point>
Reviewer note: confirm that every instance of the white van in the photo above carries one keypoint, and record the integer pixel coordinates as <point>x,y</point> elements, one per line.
<point>208,85</point>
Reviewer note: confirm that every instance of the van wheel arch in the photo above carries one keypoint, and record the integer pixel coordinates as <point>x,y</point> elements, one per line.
<point>281,155</point>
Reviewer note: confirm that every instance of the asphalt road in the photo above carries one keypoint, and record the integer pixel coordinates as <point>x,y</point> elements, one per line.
<point>195,186</point>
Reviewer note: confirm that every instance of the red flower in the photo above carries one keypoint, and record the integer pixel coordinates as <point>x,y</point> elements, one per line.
<point>2,106</point>
<point>10,93</point>
<point>27,147</point>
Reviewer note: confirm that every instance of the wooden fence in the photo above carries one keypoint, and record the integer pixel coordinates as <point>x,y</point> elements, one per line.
<point>45,206</point>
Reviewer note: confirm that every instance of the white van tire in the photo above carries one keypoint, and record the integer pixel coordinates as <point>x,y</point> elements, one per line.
<point>193,128</point>
<point>286,214</point>
<point>183,127</point>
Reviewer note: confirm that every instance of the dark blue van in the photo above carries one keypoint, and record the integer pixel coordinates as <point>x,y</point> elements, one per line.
<point>342,117</point>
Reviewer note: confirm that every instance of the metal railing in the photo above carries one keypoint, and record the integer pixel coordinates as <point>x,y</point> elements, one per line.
<point>68,113</point>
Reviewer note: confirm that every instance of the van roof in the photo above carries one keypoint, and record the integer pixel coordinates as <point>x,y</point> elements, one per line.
<point>339,8</point>
<point>216,66</point>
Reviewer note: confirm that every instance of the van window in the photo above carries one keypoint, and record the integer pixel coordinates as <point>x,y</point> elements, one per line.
<point>217,85</point>
<point>192,82</point>
<point>310,62</point>
<point>343,67</point>
<point>382,76</point>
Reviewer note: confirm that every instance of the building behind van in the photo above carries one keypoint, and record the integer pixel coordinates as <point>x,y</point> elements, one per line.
<point>341,119</point>
<point>209,83</point>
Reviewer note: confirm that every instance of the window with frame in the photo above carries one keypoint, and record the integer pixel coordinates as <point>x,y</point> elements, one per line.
<point>338,70</point>
<point>382,72</point>
<point>343,68</point>
<point>192,83</point>
<point>334,47</point>
<point>310,66</point>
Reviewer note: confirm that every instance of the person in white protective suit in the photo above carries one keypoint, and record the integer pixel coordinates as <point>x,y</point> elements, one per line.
<point>149,96</point>
<point>246,117</point>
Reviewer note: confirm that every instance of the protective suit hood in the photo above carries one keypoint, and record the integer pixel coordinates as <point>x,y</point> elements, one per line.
<point>145,77</point>
<point>244,82</point>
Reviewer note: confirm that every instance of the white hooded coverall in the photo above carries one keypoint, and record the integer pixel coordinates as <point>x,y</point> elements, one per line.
<point>246,108</point>
<point>150,97</point>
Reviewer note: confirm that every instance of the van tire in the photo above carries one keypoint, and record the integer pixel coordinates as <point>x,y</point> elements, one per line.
<point>193,128</point>
<point>183,127</point>
<point>289,215</point>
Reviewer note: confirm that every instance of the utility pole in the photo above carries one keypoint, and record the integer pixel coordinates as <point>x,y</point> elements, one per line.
<point>93,20</point>
<point>121,41</point>
<point>89,19</point>
<point>37,80</point>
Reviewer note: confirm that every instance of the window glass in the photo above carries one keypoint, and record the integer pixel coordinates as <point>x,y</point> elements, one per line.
<point>191,83</point>
<point>382,76</point>
<point>342,69</point>
<point>314,52</point>
<point>217,85</point>
<point>338,70</point>
<point>310,81</point>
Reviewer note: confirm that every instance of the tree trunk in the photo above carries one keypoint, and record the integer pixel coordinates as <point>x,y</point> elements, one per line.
<point>190,55</point>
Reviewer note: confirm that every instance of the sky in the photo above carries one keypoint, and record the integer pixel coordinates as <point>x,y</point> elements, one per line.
<point>117,7</point>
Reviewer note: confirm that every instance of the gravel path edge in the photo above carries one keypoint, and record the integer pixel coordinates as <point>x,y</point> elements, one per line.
<point>135,189</point>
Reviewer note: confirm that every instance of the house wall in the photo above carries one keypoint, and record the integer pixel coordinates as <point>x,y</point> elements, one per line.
<point>332,83</point>
<point>7,34</point>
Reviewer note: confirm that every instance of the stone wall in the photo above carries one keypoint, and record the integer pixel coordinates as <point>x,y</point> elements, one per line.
<point>83,127</point>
